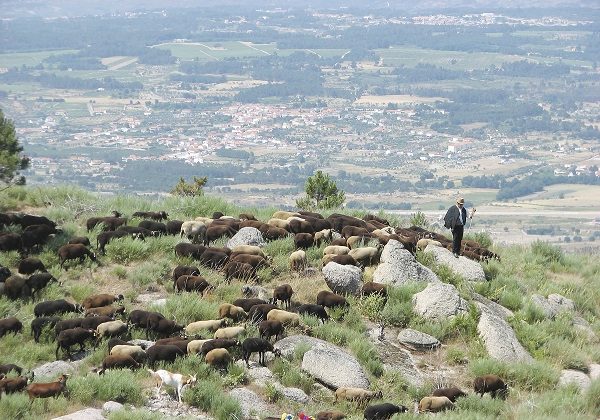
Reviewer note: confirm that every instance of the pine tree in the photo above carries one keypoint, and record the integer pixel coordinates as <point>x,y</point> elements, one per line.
<point>321,193</point>
<point>11,160</point>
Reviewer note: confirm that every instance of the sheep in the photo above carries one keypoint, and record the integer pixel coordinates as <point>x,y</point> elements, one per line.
<point>30,265</point>
<point>279,223</point>
<point>348,231</point>
<point>260,345</point>
<point>37,282</point>
<point>272,233</point>
<point>52,307</point>
<point>210,325</point>
<point>46,390</point>
<point>283,293</point>
<point>289,319</point>
<point>70,337</point>
<point>16,287</point>
<point>259,312</point>
<point>179,342</point>
<point>5,369</point>
<point>435,404</point>
<point>185,249</point>
<point>452,393</point>
<point>195,231</point>
<point>247,249</point>
<point>154,215</point>
<point>167,353</point>
<point>229,332</point>
<point>298,260</point>
<point>12,385</point>
<point>73,252</point>
<point>247,304</point>
<point>336,249</point>
<point>219,343</point>
<point>313,310</point>
<point>118,361</point>
<point>339,259</point>
<point>383,411</point>
<point>330,415</point>
<point>92,322</point>
<point>194,346</point>
<point>330,299</point>
<point>109,311</point>
<point>162,327</point>
<point>283,215</point>
<point>185,270</point>
<point>103,299</point>
<point>423,242</point>
<point>191,283</point>
<point>492,384</point>
<point>372,288</point>
<point>227,310</point>
<point>322,236</point>
<point>11,324</point>
<point>367,255</point>
<point>357,241</point>
<point>255,261</point>
<point>254,291</point>
<point>111,329</point>
<point>218,358</point>
<point>356,394</point>
<point>138,353</point>
<point>303,240</point>
<point>269,328</point>
<point>242,271</point>
<point>112,342</point>
<point>38,324</point>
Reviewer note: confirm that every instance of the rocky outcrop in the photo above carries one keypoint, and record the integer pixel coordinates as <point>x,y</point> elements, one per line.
<point>246,236</point>
<point>574,377</point>
<point>52,370</point>
<point>554,305</point>
<point>417,340</point>
<point>86,413</point>
<point>288,345</point>
<point>497,309</point>
<point>334,367</point>
<point>439,301</point>
<point>462,266</point>
<point>292,394</point>
<point>251,403</point>
<point>112,406</point>
<point>343,279</point>
<point>399,267</point>
<point>499,338</point>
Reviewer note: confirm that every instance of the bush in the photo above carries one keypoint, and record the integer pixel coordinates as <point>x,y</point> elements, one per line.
<point>547,253</point>
<point>534,376</point>
<point>592,398</point>
<point>482,406</point>
<point>290,375</point>
<point>208,396</point>
<point>188,307</point>
<point>115,385</point>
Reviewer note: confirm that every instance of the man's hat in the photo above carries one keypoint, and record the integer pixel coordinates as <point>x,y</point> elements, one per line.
<point>460,200</point>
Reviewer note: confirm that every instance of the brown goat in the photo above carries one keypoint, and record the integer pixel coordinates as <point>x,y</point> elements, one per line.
<point>46,390</point>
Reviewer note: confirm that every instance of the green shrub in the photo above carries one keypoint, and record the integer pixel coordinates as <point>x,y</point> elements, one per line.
<point>547,253</point>
<point>236,375</point>
<point>366,354</point>
<point>150,272</point>
<point>272,393</point>
<point>189,307</point>
<point>483,238</point>
<point>592,398</point>
<point>555,403</point>
<point>290,375</point>
<point>483,406</point>
<point>371,306</point>
<point>208,396</point>
<point>455,356</point>
<point>115,385</point>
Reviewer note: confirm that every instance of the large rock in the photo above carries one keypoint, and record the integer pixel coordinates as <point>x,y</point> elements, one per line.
<point>594,371</point>
<point>499,338</point>
<point>112,406</point>
<point>463,266</point>
<point>246,236</point>
<point>294,394</point>
<point>584,327</point>
<point>52,370</point>
<point>288,345</point>
<point>85,414</point>
<point>343,279</point>
<point>399,267</point>
<point>439,301</point>
<point>251,403</point>
<point>554,305</point>
<point>574,377</point>
<point>417,340</point>
<point>496,308</point>
<point>334,367</point>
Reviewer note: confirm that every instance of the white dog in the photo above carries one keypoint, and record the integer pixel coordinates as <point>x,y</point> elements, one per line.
<point>176,380</point>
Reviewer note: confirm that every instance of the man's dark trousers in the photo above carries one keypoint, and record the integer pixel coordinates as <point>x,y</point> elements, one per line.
<point>457,235</point>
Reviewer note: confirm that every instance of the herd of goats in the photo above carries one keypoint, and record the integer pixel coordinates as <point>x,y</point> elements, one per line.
<point>349,241</point>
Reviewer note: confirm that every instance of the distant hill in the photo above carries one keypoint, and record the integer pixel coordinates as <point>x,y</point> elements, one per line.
<point>55,8</point>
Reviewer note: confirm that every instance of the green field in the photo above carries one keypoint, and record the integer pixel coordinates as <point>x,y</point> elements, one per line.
<point>29,58</point>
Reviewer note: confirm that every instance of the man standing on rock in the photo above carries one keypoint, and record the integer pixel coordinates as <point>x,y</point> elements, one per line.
<point>455,219</point>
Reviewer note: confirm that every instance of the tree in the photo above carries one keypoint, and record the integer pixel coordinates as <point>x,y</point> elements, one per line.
<point>11,160</point>
<point>189,190</point>
<point>321,193</point>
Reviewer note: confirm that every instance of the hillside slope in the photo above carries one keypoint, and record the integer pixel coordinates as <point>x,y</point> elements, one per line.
<point>141,270</point>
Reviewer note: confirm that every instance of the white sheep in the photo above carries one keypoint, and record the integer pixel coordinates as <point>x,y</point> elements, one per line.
<point>211,325</point>
<point>289,319</point>
<point>229,332</point>
<point>298,261</point>
<point>336,249</point>
<point>195,346</point>
<point>194,230</point>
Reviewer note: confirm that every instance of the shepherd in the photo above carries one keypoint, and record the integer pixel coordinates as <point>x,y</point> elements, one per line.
<point>455,220</point>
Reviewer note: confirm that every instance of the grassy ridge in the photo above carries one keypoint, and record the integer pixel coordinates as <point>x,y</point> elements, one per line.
<point>133,267</point>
